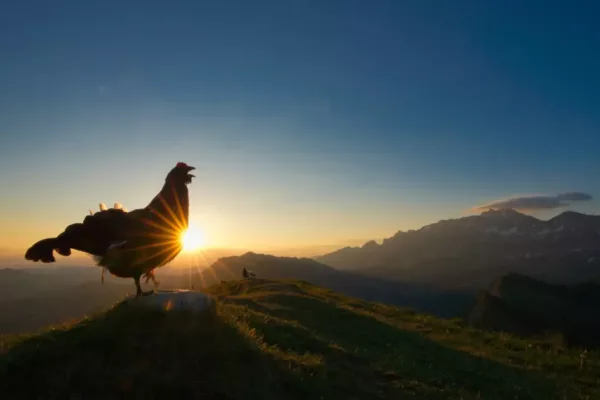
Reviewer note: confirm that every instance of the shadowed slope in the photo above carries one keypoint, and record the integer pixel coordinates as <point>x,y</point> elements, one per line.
<point>523,305</point>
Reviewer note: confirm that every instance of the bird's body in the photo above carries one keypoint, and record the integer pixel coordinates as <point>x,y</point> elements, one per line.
<point>128,244</point>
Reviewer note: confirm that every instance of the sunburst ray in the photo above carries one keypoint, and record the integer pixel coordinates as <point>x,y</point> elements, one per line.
<point>179,223</point>
<point>180,210</point>
<point>172,250</point>
<point>171,243</point>
<point>155,225</point>
<point>164,219</point>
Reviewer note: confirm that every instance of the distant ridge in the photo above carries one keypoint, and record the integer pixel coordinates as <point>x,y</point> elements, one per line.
<point>472,250</point>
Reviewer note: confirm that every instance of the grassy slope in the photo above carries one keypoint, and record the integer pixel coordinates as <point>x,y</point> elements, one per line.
<point>284,339</point>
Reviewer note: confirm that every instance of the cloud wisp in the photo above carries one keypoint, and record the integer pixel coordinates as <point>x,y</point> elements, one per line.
<point>536,203</point>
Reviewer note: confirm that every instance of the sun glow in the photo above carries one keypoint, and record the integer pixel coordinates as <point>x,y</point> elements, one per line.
<point>192,239</point>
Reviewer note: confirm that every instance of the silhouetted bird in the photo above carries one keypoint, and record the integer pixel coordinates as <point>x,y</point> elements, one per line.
<point>129,244</point>
<point>245,273</point>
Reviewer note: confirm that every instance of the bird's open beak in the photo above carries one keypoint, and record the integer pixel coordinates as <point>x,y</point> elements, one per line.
<point>188,176</point>
<point>191,169</point>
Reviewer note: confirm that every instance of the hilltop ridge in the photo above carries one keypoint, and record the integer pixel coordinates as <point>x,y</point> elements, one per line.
<point>287,340</point>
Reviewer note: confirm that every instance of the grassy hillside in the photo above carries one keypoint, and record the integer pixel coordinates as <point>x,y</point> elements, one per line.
<point>288,339</point>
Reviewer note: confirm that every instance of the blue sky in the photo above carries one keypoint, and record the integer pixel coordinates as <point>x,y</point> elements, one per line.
<point>310,122</point>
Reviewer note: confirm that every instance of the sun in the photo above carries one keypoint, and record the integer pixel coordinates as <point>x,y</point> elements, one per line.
<point>192,239</point>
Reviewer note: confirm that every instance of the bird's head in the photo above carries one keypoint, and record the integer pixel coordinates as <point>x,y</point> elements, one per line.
<point>181,173</point>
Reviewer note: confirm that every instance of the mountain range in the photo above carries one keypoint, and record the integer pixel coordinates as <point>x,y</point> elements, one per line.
<point>469,252</point>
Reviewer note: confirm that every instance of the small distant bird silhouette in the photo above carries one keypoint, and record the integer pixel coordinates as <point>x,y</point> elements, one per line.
<point>129,244</point>
<point>248,274</point>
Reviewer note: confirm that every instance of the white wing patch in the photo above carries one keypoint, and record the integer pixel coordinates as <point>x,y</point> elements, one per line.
<point>119,244</point>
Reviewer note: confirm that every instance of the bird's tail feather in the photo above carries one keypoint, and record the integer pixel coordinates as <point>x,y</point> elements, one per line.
<point>43,251</point>
<point>77,236</point>
<point>102,207</point>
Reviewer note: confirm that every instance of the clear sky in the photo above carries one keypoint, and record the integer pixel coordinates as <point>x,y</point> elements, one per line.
<point>310,122</point>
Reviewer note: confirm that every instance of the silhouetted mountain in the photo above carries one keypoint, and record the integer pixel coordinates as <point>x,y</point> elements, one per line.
<point>33,298</point>
<point>526,306</point>
<point>448,304</point>
<point>58,305</point>
<point>18,283</point>
<point>466,252</point>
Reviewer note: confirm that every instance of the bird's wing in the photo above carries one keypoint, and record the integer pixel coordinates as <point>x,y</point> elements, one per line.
<point>146,242</point>
<point>97,232</point>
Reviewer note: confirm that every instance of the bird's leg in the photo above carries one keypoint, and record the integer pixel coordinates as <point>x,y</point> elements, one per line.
<point>138,287</point>
<point>150,275</point>
<point>156,283</point>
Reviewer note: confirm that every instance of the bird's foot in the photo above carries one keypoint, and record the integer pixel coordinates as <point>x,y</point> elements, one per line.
<point>148,293</point>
